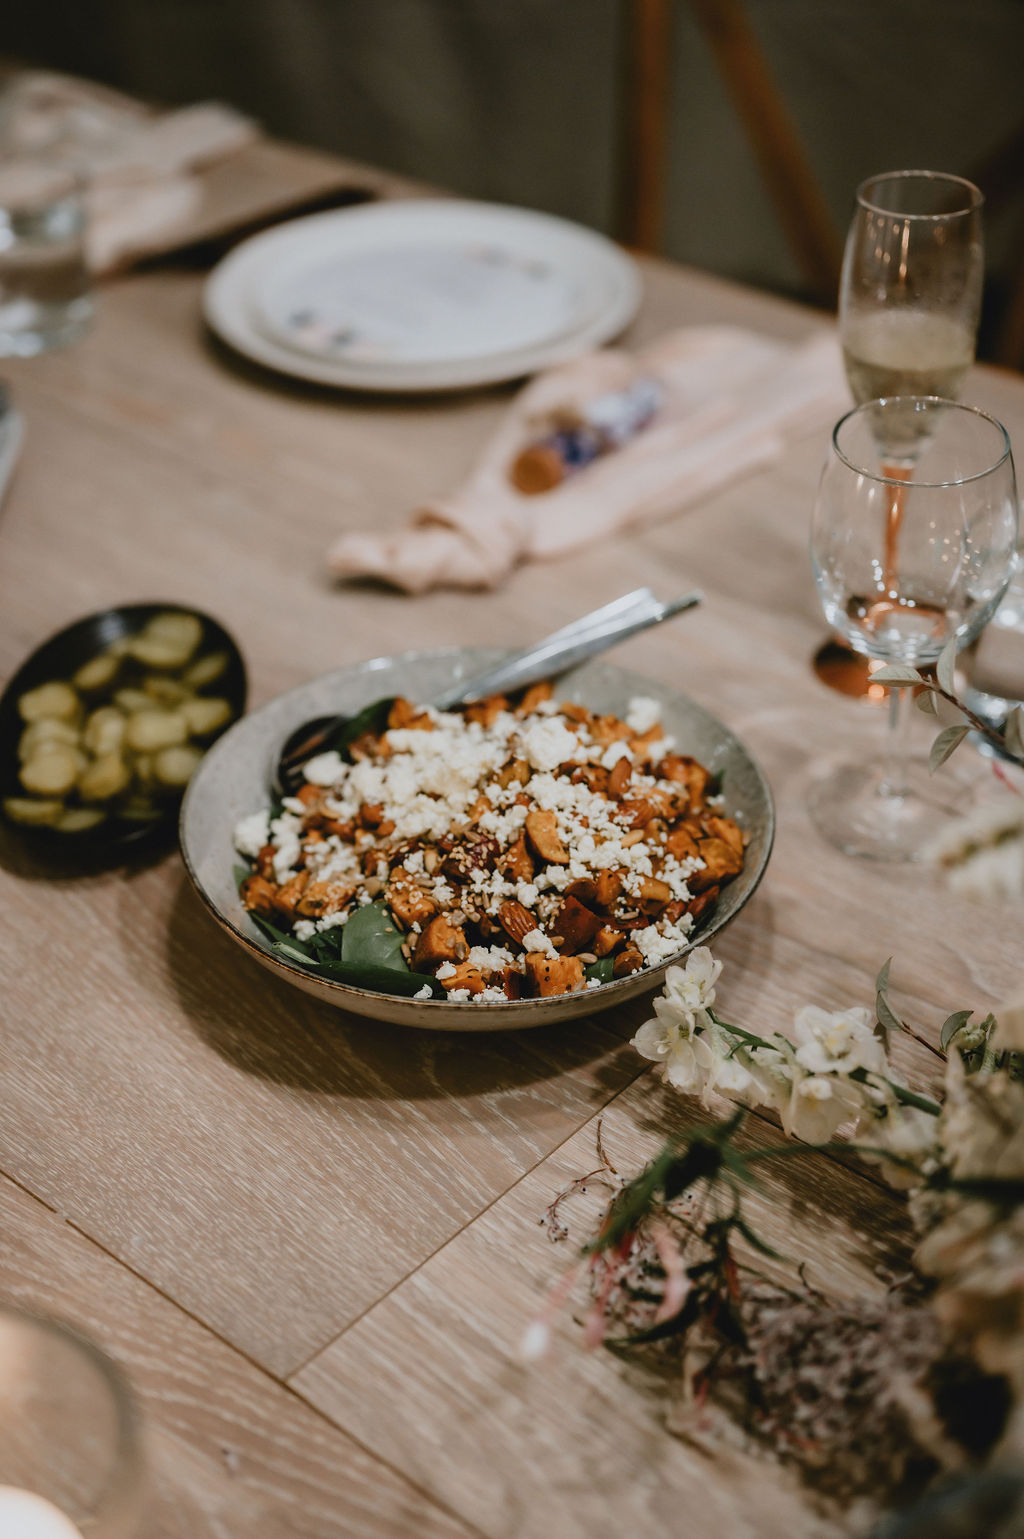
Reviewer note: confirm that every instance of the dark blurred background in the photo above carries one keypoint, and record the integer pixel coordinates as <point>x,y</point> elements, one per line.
<point>526,101</point>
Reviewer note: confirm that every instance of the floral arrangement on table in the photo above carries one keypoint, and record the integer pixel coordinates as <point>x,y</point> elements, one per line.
<point>872,1399</point>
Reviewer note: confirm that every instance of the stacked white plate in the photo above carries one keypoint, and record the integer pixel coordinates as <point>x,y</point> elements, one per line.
<point>421,295</point>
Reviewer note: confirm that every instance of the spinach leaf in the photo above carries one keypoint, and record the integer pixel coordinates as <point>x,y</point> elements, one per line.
<point>372,718</point>
<point>602,970</point>
<point>370,938</point>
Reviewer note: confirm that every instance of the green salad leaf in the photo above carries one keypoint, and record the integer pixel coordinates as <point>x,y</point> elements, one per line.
<point>602,970</point>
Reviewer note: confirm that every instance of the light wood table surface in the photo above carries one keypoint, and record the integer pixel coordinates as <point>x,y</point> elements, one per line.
<point>314,1242</point>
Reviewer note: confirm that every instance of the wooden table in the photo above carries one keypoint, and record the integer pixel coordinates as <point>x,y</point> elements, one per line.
<point>314,1242</point>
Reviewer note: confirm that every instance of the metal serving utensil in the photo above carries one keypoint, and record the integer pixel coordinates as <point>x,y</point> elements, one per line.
<point>574,643</point>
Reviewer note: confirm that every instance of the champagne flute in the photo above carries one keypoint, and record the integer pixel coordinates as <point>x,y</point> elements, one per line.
<point>909,303</point>
<point>945,577</point>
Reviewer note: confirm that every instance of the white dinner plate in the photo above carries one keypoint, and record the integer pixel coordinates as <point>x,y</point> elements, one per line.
<point>421,295</point>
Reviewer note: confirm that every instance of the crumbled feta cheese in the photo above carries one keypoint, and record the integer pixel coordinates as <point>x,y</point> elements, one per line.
<point>613,753</point>
<point>549,743</point>
<point>536,940</point>
<point>252,833</point>
<point>324,769</point>
<point>526,894</point>
<point>459,996</point>
<point>426,992</point>
<point>446,970</point>
<point>643,713</point>
<point>656,947</point>
<point>304,929</point>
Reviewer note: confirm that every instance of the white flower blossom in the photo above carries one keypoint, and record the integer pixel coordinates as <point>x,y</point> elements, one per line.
<point>818,1103</point>
<point>837,1041</point>
<point>692,987</point>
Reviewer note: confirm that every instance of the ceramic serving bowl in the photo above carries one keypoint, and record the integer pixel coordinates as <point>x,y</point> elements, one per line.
<point>234,778</point>
<point>59,658</point>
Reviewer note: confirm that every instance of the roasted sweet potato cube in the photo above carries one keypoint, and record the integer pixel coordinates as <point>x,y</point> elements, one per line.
<point>486,711</point>
<point>344,831</point>
<point>309,795</point>
<point>439,941</point>
<point>727,830</point>
<point>371,814</point>
<point>654,894</point>
<point>513,769</point>
<point>404,714</point>
<point>542,832</point>
<point>608,939</point>
<point>629,961</point>
<point>702,903</point>
<point>553,975</point>
<point>408,903</point>
<point>634,814</point>
<point>514,983</point>
<point>574,712</point>
<point>681,843</point>
<point>259,896</point>
<point>720,863</point>
<point>585,889</point>
<point>609,890</point>
<point>516,862</point>
<point>640,742</point>
<point>609,729</point>
<point>577,925</point>
<point>465,976</point>
<point>265,862</point>
<point>535,696</point>
<point>289,895</point>
<point>516,921</point>
<point>323,898</point>
<point>685,771</point>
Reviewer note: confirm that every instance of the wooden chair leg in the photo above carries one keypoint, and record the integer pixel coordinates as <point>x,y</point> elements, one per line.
<point>647,47</point>
<point>773,138</point>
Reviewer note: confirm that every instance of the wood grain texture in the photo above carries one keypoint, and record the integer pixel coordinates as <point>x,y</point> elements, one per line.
<point>577,1443</point>
<point>276,1168</point>
<point>230,1453</point>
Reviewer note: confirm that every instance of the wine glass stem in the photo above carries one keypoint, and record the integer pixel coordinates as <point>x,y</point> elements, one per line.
<point>894,782</point>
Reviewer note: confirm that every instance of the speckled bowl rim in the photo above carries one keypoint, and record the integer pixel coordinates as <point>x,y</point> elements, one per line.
<point>457,1015</point>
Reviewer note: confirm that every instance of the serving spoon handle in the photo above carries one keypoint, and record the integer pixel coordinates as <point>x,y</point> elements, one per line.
<point>564,649</point>
<point>574,643</point>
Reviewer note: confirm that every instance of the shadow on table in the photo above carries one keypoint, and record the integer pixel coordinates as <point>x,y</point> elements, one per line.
<point>267,1028</point>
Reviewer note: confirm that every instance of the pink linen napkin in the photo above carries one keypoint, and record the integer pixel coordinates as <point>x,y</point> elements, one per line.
<point>138,167</point>
<point>729,398</point>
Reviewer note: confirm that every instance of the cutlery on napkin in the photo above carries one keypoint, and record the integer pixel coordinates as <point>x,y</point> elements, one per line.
<point>729,397</point>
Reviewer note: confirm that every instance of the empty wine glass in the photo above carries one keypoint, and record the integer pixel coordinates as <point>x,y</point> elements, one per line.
<point>897,587</point>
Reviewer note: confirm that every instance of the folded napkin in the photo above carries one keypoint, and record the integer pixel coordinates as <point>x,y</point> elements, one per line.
<point>138,167</point>
<point>729,397</point>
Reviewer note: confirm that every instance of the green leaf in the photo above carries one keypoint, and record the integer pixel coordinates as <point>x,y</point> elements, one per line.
<point>896,673</point>
<point>370,938</point>
<point>382,980</point>
<point>948,739</point>
<point>1013,733</point>
<point>315,956</point>
<point>945,668</point>
<point>288,945</point>
<point>882,981</point>
<point>602,970</point>
<point>951,1025</point>
<point>925,701</point>
<point>241,874</point>
<point>372,718</point>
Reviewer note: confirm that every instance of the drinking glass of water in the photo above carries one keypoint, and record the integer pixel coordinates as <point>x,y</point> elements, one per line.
<point>903,561</point>
<point>44,281</point>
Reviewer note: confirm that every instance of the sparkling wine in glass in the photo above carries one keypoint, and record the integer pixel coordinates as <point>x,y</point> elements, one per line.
<point>909,302</point>
<point>902,601</point>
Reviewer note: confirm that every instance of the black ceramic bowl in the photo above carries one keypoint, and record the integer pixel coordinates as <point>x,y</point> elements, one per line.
<point>59,658</point>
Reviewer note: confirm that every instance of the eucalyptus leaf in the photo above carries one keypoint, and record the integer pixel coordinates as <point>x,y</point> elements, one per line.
<point>896,673</point>
<point>1013,733</point>
<point>948,739</point>
<point>945,667</point>
<point>925,701</point>
<point>370,938</point>
<point>951,1025</point>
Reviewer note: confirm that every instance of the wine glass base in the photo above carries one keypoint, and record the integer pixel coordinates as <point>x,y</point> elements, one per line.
<point>854,809</point>
<point>849,672</point>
